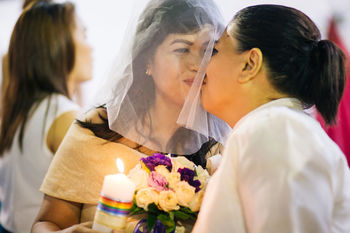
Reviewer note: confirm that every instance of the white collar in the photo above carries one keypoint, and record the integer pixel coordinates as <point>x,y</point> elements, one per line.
<point>292,103</point>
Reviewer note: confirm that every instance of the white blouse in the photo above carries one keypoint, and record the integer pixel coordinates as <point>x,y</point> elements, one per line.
<point>280,173</point>
<point>22,171</point>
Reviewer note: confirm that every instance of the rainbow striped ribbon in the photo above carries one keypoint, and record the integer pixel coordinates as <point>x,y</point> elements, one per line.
<point>113,207</point>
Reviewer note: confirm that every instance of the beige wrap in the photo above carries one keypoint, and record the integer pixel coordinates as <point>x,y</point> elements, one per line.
<point>80,164</point>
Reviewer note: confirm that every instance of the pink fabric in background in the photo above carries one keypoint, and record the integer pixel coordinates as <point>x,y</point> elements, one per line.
<point>340,133</point>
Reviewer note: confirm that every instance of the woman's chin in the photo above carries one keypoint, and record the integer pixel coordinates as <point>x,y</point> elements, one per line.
<point>205,101</point>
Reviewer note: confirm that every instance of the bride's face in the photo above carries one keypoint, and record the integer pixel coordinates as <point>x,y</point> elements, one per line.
<point>176,62</point>
<point>221,87</point>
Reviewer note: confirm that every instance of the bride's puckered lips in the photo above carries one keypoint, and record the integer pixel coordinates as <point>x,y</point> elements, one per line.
<point>189,81</point>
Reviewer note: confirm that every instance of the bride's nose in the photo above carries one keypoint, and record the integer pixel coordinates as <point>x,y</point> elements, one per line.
<point>194,61</point>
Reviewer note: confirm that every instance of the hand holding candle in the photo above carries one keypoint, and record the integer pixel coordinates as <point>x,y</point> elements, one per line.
<point>115,202</point>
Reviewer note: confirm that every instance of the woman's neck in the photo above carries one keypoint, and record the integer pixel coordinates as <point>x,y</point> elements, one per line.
<point>244,107</point>
<point>164,115</point>
<point>71,86</point>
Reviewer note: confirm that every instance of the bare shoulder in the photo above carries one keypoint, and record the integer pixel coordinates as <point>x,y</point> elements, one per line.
<point>58,129</point>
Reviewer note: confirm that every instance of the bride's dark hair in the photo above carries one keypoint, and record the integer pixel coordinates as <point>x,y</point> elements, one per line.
<point>158,21</point>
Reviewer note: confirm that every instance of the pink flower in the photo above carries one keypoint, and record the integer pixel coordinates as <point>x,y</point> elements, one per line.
<point>157,181</point>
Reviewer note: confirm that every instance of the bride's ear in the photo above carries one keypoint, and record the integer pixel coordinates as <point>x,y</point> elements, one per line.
<point>149,69</point>
<point>252,65</point>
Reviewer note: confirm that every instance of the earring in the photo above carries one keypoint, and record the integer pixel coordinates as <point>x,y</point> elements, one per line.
<point>148,72</point>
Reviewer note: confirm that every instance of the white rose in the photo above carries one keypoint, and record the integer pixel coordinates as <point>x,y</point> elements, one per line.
<point>181,162</point>
<point>173,178</point>
<point>168,201</point>
<point>202,176</point>
<point>146,196</point>
<point>161,169</point>
<point>139,177</point>
<point>180,229</point>
<point>184,193</point>
<point>196,201</point>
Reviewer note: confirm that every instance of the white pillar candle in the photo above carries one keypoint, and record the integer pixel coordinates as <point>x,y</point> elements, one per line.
<point>119,187</point>
<point>115,202</point>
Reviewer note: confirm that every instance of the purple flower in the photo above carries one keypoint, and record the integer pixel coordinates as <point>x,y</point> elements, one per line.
<point>196,184</point>
<point>188,175</point>
<point>157,181</point>
<point>157,159</point>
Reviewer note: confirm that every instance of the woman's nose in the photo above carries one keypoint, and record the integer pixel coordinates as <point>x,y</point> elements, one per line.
<point>194,61</point>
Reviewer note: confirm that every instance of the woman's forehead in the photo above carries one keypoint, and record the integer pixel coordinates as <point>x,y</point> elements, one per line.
<point>226,40</point>
<point>201,36</point>
<point>230,28</point>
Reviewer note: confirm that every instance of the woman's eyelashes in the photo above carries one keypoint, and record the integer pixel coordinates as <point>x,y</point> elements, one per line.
<point>182,50</point>
<point>215,51</point>
<point>185,50</point>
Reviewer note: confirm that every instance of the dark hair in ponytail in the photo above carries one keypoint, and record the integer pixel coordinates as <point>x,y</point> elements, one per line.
<point>329,64</point>
<point>299,64</point>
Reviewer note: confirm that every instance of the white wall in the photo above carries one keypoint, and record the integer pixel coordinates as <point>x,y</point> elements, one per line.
<point>9,11</point>
<point>106,21</point>
<point>106,24</point>
<point>317,10</point>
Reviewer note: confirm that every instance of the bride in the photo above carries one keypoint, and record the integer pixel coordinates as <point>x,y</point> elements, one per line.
<point>141,103</point>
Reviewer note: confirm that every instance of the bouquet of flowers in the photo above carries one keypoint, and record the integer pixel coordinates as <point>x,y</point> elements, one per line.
<point>168,190</point>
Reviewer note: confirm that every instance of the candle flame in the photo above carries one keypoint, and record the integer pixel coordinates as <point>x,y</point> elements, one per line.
<point>120,165</point>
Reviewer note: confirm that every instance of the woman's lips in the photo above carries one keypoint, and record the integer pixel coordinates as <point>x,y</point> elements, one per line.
<point>189,82</point>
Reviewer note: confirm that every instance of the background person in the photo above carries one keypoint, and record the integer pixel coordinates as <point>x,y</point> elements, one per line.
<point>48,57</point>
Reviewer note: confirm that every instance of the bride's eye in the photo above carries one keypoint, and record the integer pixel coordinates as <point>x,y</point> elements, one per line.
<point>204,50</point>
<point>182,50</point>
<point>215,51</point>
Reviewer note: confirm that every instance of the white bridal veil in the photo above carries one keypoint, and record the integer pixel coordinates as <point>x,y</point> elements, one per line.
<point>152,95</point>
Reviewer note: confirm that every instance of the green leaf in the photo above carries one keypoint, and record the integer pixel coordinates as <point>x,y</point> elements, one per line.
<point>171,215</point>
<point>153,209</point>
<point>167,221</point>
<point>170,229</point>
<point>181,215</point>
<point>185,213</point>
<point>136,210</point>
<point>151,221</point>
<point>187,210</point>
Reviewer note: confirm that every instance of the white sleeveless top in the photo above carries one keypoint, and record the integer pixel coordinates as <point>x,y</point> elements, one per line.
<point>21,173</point>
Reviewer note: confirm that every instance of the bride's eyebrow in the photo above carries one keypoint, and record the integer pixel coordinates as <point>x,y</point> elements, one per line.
<point>182,41</point>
